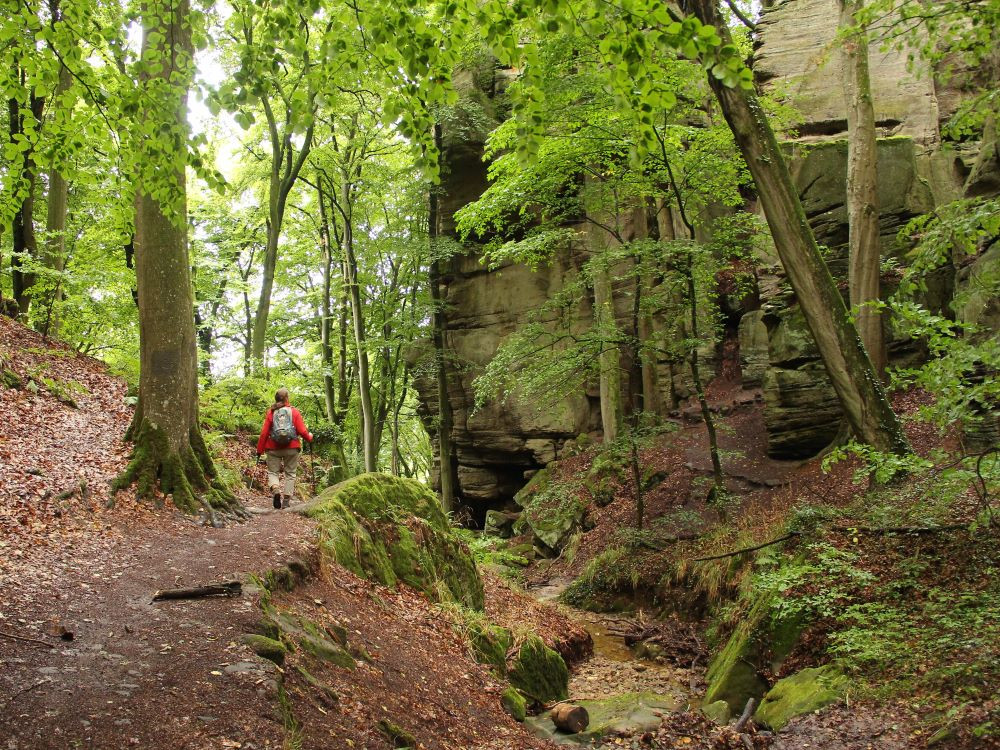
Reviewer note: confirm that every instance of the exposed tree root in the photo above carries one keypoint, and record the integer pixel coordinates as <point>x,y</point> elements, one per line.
<point>187,475</point>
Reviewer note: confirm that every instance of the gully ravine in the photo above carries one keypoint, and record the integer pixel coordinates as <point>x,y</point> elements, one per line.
<point>621,691</point>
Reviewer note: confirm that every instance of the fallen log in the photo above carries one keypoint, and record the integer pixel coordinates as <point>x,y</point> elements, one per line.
<point>745,716</point>
<point>26,639</point>
<point>786,537</point>
<point>570,718</point>
<point>224,588</point>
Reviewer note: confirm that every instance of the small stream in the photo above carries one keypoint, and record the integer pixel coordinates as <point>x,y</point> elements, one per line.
<point>619,690</point>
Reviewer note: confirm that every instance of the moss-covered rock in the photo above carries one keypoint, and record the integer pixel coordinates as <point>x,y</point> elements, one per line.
<point>490,644</point>
<point>390,529</point>
<point>500,524</point>
<point>554,513</point>
<point>10,379</point>
<point>734,675</point>
<point>718,712</point>
<point>267,648</point>
<point>326,643</point>
<point>538,482</point>
<point>539,672</point>
<point>398,736</point>
<point>802,693</point>
<point>514,704</point>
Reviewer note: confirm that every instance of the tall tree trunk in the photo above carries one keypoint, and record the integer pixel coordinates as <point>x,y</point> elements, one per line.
<point>342,374</point>
<point>285,168</point>
<point>612,408</point>
<point>169,448</point>
<point>24,243</point>
<point>674,330</point>
<point>58,199</point>
<point>326,320</point>
<point>718,478</point>
<point>855,381</point>
<point>439,335</point>
<point>864,259</point>
<point>368,447</point>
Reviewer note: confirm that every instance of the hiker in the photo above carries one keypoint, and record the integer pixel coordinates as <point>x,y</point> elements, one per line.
<point>279,437</point>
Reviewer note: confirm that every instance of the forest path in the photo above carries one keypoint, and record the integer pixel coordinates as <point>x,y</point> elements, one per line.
<point>169,674</point>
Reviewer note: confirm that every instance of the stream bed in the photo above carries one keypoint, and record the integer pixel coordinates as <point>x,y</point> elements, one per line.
<point>621,691</point>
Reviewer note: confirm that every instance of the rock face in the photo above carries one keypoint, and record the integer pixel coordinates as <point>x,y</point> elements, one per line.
<point>499,446</point>
<point>796,53</point>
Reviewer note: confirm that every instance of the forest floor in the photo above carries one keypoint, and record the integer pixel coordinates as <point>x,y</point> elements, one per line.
<point>655,574</point>
<point>87,660</point>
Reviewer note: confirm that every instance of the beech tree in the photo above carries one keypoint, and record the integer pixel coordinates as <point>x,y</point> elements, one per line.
<point>864,249</point>
<point>169,448</point>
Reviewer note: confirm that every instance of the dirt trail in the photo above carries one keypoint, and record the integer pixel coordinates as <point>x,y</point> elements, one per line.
<point>165,675</point>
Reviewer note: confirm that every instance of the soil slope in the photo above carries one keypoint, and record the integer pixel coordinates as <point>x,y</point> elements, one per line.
<point>88,660</point>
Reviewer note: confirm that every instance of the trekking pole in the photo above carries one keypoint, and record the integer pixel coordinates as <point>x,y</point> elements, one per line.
<point>312,468</point>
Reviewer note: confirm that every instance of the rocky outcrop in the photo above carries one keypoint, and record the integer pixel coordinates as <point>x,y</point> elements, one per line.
<point>500,445</point>
<point>796,55</point>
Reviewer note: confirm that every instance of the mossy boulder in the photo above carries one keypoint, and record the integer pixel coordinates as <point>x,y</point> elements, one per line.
<point>514,704</point>
<point>389,529</point>
<point>553,511</point>
<point>327,643</point>
<point>539,672</point>
<point>500,524</point>
<point>718,712</point>
<point>398,736</point>
<point>803,692</point>
<point>490,644</point>
<point>267,648</point>
<point>734,674</point>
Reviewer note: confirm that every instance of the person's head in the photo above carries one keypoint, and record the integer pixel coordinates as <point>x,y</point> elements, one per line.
<point>280,398</point>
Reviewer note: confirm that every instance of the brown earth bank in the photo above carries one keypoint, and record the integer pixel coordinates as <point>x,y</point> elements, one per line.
<point>659,574</point>
<point>87,659</point>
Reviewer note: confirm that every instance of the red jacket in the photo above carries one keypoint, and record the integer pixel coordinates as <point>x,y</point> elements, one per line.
<point>265,443</point>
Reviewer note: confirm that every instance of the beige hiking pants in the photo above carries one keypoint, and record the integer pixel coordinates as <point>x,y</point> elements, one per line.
<point>283,458</point>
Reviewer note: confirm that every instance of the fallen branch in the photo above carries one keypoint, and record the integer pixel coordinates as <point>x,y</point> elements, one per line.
<point>745,716</point>
<point>225,588</point>
<point>22,691</point>
<point>790,535</point>
<point>25,638</point>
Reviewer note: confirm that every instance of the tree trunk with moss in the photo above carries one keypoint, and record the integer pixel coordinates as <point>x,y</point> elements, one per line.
<point>855,381</point>
<point>169,451</point>
<point>864,259</point>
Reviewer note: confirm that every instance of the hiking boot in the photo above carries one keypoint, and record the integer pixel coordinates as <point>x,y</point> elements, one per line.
<point>277,500</point>
<point>285,501</point>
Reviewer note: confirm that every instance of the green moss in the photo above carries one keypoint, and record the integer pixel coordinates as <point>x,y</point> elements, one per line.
<point>187,476</point>
<point>514,704</point>
<point>327,644</point>
<point>267,648</point>
<point>804,692</point>
<point>390,529</point>
<point>490,644</point>
<point>539,672</point>
<point>327,650</point>
<point>627,713</point>
<point>536,484</point>
<point>606,583</point>
<point>327,692</point>
<point>734,675</point>
<point>718,712</point>
<point>399,737</point>
<point>11,379</point>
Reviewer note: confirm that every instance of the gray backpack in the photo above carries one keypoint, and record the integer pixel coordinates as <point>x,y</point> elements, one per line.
<point>282,427</point>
